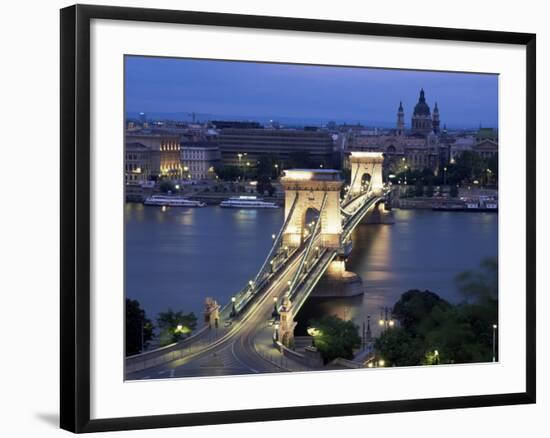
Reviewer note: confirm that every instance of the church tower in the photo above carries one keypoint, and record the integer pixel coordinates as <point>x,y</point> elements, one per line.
<point>436,119</point>
<point>422,120</point>
<point>400,120</point>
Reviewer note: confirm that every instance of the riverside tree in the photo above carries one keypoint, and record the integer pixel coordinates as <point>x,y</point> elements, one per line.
<point>335,337</point>
<point>139,328</point>
<point>174,326</point>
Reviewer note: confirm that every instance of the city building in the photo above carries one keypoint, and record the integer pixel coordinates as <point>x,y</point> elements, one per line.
<point>461,144</point>
<point>164,152</point>
<point>198,160</point>
<point>422,122</point>
<point>425,144</point>
<point>486,142</point>
<point>416,149</point>
<point>243,147</point>
<point>137,163</point>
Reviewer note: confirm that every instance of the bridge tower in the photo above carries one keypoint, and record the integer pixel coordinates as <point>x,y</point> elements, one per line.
<point>285,331</point>
<point>313,188</point>
<point>366,172</point>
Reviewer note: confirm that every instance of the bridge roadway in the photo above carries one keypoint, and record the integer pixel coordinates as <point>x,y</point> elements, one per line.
<point>246,347</point>
<point>237,350</point>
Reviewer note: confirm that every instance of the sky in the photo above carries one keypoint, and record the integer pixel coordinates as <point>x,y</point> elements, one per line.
<point>175,87</point>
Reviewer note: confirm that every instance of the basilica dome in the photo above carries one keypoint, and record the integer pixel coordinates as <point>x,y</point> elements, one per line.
<point>422,108</point>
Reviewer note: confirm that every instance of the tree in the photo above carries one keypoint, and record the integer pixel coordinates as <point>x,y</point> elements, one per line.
<point>174,326</point>
<point>430,190</point>
<point>480,286</point>
<point>263,184</point>
<point>419,188</point>
<point>459,333</point>
<point>268,166</point>
<point>398,347</point>
<point>454,191</point>
<point>469,166</point>
<point>139,329</point>
<point>166,186</point>
<point>492,166</point>
<point>414,306</point>
<point>229,173</point>
<point>335,337</point>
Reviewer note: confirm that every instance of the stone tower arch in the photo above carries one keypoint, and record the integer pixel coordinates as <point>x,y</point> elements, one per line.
<point>366,163</point>
<point>311,187</point>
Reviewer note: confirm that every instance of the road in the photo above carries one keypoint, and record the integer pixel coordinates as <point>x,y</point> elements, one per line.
<point>246,347</point>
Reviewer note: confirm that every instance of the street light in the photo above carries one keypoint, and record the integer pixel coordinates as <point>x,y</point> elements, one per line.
<point>436,357</point>
<point>385,318</point>
<point>494,342</point>
<point>233,309</point>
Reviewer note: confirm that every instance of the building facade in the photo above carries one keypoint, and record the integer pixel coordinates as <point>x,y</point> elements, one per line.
<point>137,163</point>
<point>420,147</point>
<point>422,122</point>
<point>164,152</point>
<point>243,147</point>
<point>199,160</point>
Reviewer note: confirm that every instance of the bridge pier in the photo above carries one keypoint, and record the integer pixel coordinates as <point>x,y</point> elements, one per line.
<point>381,214</point>
<point>338,282</point>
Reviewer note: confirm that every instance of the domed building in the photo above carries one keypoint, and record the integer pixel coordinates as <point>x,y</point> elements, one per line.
<point>422,122</point>
<point>416,148</point>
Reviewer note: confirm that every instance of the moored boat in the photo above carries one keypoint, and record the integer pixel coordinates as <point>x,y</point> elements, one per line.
<point>172,201</point>
<point>247,202</point>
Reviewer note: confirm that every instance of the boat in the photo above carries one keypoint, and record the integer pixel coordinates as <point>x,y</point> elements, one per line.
<point>480,204</point>
<point>172,201</point>
<point>247,202</point>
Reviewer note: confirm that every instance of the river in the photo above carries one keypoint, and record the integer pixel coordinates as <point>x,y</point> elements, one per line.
<point>176,258</point>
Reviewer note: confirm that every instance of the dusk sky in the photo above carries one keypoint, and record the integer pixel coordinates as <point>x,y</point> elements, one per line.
<point>172,88</point>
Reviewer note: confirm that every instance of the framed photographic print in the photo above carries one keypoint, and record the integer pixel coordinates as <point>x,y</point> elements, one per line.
<point>289,218</point>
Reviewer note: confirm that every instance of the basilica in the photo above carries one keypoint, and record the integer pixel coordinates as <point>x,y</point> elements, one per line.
<point>424,145</point>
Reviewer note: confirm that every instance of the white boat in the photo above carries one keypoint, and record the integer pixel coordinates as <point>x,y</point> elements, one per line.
<point>172,201</point>
<point>247,202</point>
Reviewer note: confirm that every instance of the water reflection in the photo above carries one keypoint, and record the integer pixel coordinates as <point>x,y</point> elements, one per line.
<point>178,257</point>
<point>422,250</point>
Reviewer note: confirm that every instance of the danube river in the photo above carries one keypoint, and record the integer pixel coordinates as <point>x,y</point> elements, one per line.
<point>176,258</point>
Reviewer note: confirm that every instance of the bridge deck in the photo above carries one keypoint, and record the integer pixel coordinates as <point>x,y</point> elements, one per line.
<point>254,303</point>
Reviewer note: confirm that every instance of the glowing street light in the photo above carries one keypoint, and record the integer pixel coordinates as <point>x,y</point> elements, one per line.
<point>233,309</point>
<point>381,363</point>
<point>386,320</point>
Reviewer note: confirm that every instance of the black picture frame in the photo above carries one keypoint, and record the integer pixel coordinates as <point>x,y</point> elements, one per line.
<point>75,217</point>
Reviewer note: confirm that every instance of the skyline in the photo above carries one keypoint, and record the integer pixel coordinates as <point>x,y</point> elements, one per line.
<point>173,88</point>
